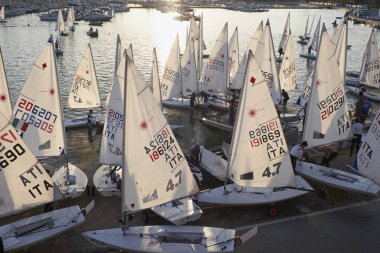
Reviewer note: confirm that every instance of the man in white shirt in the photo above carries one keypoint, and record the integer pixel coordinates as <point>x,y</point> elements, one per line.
<point>297,152</point>
<point>357,130</point>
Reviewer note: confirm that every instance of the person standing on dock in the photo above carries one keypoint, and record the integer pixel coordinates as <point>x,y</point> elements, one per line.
<point>309,50</point>
<point>297,153</point>
<point>285,99</point>
<point>192,103</point>
<point>359,105</point>
<point>357,130</point>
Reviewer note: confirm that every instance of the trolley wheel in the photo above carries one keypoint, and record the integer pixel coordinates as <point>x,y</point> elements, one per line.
<point>145,216</point>
<point>322,193</point>
<point>273,211</point>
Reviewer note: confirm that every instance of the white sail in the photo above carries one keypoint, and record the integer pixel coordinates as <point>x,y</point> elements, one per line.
<point>130,52</point>
<point>368,158</point>
<point>315,40</point>
<point>24,183</point>
<point>370,70</point>
<point>171,81</point>
<point>238,81</point>
<point>194,34</point>
<point>112,139</point>
<point>327,117</point>
<point>155,80</point>
<point>150,149</point>
<point>311,26</point>
<point>285,34</point>
<point>288,73</point>
<point>266,58</point>
<point>61,22</point>
<point>37,114</point>
<point>339,39</point>
<point>258,135</point>
<point>70,18</point>
<point>215,74</point>
<point>233,54</point>
<point>307,23</point>
<point>2,13</point>
<point>5,98</point>
<point>189,70</point>
<point>84,92</point>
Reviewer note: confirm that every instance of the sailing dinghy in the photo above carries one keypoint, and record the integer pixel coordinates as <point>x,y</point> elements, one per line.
<point>38,118</point>
<point>259,166</point>
<point>327,120</point>
<point>2,15</point>
<point>35,188</point>
<point>84,92</point>
<point>148,139</point>
<point>71,19</point>
<point>314,42</point>
<point>61,24</point>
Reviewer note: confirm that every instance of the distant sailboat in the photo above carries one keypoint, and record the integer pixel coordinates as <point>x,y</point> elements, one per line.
<point>2,15</point>
<point>71,19</point>
<point>285,34</point>
<point>39,119</point>
<point>314,42</point>
<point>233,54</point>
<point>61,24</point>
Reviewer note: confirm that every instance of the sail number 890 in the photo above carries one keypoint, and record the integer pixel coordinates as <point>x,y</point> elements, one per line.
<point>11,155</point>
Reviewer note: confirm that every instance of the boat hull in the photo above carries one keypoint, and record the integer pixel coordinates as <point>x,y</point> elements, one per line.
<point>105,183</point>
<point>250,196</point>
<point>72,186</point>
<point>217,239</point>
<point>309,56</point>
<point>179,212</point>
<point>60,221</point>
<point>337,178</point>
<point>370,95</point>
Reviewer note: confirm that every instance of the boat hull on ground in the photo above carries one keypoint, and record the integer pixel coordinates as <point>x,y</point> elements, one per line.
<point>105,182</point>
<point>337,178</point>
<point>73,185</point>
<point>215,164</point>
<point>309,56</point>
<point>47,225</point>
<point>249,196</point>
<point>370,95</point>
<point>179,212</point>
<point>352,83</point>
<point>157,239</point>
<point>216,124</point>
<point>290,117</point>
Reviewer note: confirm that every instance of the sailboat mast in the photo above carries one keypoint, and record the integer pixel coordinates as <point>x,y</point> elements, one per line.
<point>228,68</point>
<point>96,76</point>
<point>124,162</point>
<point>59,101</point>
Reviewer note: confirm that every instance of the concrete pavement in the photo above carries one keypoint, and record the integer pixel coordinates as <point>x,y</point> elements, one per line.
<point>353,228</point>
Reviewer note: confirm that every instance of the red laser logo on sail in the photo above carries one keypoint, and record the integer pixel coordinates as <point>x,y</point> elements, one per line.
<point>3,97</point>
<point>252,113</point>
<point>143,125</point>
